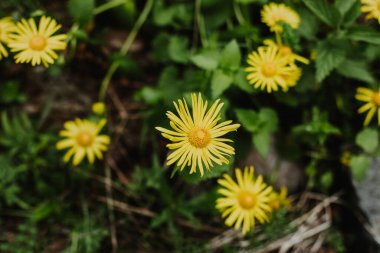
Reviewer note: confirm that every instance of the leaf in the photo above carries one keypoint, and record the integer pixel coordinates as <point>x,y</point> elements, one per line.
<point>240,80</point>
<point>365,34</point>
<point>344,5</point>
<point>359,165</point>
<point>248,118</point>
<point>351,14</point>
<point>220,82</point>
<point>82,11</point>
<point>208,60</point>
<point>268,118</point>
<point>309,24</point>
<point>178,49</point>
<point>357,70</point>
<point>261,141</point>
<point>324,11</point>
<point>230,57</point>
<point>368,139</point>
<point>329,56</point>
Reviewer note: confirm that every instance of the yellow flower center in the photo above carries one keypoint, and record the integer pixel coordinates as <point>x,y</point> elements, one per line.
<point>269,69</point>
<point>84,139</point>
<point>378,6</point>
<point>37,43</point>
<point>285,50</point>
<point>376,98</point>
<point>199,137</point>
<point>247,199</point>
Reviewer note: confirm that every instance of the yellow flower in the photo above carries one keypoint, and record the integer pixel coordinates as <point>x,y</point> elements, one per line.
<point>37,45</point>
<point>292,78</point>
<point>284,50</point>
<point>372,99</point>
<point>273,13</point>
<point>268,68</point>
<point>6,28</point>
<point>83,139</point>
<point>345,158</point>
<point>244,200</point>
<point>279,199</point>
<point>372,8</point>
<point>98,108</point>
<point>196,137</point>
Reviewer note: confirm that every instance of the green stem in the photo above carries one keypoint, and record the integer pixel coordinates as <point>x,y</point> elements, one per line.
<point>124,49</point>
<point>200,23</point>
<point>107,6</point>
<point>239,15</point>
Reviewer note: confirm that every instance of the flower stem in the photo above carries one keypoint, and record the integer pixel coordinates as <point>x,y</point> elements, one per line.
<point>124,49</point>
<point>107,6</point>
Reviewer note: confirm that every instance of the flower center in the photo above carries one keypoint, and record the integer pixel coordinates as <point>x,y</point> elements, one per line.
<point>246,199</point>
<point>376,98</point>
<point>285,50</point>
<point>84,139</point>
<point>378,6</point>
<point>199,137</point>
<point>269,69</point>
<point>37,43</point>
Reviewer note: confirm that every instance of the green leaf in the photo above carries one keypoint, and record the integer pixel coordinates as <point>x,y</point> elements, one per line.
<point>82,11</point>
<point>208,60</point>
<point>248,118</point>
<point>344,5</point>
<point>309,24</point>
<point>359,165</point>
<point>220,82</point>
<point>261,141</point>
<point>230,57</point>
<point>268,118</point>
<point>357,70</point>
<point>324,11</point>
<point>178,49</point>
<point>365,34</point>
<point>329,56</point>
<point>368,139</point>
<point>240,80</point>
<point>352,13</point>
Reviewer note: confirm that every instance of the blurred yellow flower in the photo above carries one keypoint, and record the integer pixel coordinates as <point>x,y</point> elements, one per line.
<point>372,103</point>
<point>272,14</point>
<point>286,51</point>
<point>196,137</point>
<point>268,69</point>
<point>37,45</point>
<point>6,28</point>
<point>372,8</point>
<point>83,139</point>
<point>345,158</point>
<point>98,108</point>
<point>245,200</point>
<point>292,78</point>
<point>278,200</point>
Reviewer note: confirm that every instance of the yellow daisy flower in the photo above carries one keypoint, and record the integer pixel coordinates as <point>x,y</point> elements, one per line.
<point>196,137</point>
<point>292,78</point>
<point>245,200</point>
<point>372,99</point>
<point>6,28</point>
<point>372,8</point>
<point>273,13</point>
<point>268,68</point>
<point>83,139</point>
<point>279,199</point>
<point>37,45</point>
<point>286,51</point>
